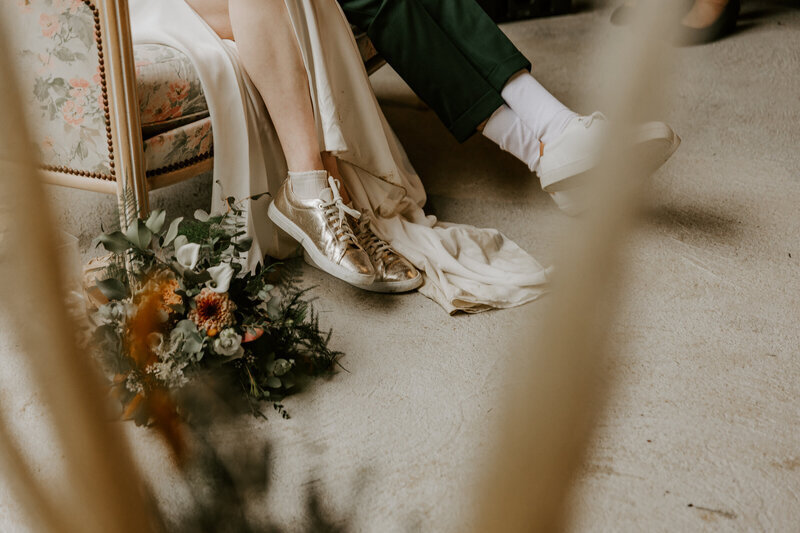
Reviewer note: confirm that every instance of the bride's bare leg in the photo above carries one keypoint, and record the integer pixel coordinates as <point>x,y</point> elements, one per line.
<point>215,13</point>
<point>271,56</point>
<point>305,207</point>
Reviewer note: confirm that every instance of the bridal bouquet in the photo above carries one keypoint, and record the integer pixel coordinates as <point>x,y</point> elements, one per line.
<point>174,303</point>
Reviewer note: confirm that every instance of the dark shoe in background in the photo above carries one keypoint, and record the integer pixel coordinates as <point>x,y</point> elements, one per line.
<point>724,25</point>
<point>685,35</point>
<point>624,14</point>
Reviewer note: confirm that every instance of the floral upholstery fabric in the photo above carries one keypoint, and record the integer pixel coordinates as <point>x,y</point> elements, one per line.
<point>61,82</point>
<point>169,91</point>
<point>169,149</point>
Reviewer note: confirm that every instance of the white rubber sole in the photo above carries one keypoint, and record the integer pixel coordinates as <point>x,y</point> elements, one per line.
<point>568,204</point>
<point>380,286</point>
<point>319,260</point>
<point>559,178</point>
<point>571,201</point>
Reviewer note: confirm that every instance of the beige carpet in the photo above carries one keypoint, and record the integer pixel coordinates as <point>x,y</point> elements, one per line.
<point>703,430</point>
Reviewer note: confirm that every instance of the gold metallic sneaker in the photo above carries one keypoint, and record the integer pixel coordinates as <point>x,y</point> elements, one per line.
<point>393,272</point>
<point>322,229</point>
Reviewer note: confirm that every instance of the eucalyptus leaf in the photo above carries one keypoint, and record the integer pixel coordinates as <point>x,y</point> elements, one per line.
<point>139,235</point>
<point>172,231</point>
<point>156,220</point>
<point>244,245</point>
<point>113,289</point>
<point>191,341</point>
<point>201,215</point>
<point>197,278</point>
<point>114,242</point>
<point>273,382</point>
<point>274,307</point>
<point>192,344</point>
<point>186,326</point>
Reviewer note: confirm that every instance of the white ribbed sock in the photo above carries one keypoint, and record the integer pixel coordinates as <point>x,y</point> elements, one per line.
<point>308,185</point>
<point>511,134</point>
<point>544,115</point>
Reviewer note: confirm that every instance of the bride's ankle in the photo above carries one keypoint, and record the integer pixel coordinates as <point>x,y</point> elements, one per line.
<point>308,184</point>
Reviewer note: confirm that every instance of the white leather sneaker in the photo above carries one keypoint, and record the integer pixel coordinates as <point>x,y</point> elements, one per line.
<point>577,150</point>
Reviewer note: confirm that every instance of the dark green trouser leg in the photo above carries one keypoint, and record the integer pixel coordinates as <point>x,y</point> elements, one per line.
<point>448,51</point>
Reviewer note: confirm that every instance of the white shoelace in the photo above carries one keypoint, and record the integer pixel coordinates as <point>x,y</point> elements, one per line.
<point>335,212</point>
<point>587,120</point>
<point>377,248</point>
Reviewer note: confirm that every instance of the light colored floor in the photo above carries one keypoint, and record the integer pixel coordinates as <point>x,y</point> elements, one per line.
<point>703,430</point>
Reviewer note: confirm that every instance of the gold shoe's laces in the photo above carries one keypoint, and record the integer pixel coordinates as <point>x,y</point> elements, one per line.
<point>377,248</point>
<point>335,212</point>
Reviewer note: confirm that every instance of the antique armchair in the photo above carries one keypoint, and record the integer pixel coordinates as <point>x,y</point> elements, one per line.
<point>105,115</point>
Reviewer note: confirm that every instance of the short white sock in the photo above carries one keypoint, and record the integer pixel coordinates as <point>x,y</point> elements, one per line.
<point>308,185</point>
<point>544,115</point>
<point>511,134</point>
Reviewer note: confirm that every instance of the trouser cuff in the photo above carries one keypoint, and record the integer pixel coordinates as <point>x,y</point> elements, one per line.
<point>500,74</point>
<point>465,125</point>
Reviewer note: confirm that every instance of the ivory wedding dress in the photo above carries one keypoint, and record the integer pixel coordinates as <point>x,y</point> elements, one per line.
<point>465,268</point>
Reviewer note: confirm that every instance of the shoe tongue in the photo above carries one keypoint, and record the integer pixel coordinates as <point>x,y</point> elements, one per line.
<point>326,195</point>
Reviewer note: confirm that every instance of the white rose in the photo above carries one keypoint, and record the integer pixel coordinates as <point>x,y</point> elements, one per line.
<point>229,343</point>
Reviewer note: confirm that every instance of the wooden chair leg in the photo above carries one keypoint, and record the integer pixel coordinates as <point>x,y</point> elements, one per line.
<point>129,166</point>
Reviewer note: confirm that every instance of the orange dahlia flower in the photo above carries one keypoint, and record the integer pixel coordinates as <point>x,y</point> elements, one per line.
<point>213,311</point>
